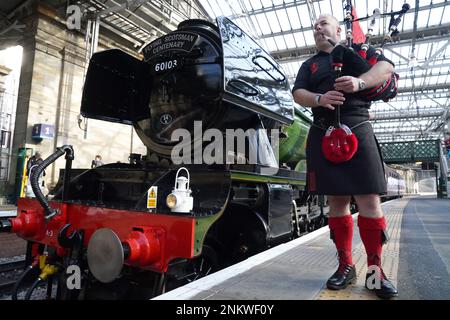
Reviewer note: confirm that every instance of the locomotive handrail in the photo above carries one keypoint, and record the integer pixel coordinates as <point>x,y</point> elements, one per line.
<point>188,177</point>
<point>232,83</point>
<point>267,71</point>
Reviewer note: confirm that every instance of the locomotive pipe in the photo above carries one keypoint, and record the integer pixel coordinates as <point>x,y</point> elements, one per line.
<point>69,157</point>
<point>34,179</point>
<point>32,288</point>
<point>29,270</point>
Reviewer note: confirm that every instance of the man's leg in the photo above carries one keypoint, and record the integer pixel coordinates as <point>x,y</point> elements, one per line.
<point>341,227</point>
<point>372,226</point>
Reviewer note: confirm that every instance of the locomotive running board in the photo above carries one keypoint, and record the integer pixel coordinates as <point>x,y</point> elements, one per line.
<point>252,173</point>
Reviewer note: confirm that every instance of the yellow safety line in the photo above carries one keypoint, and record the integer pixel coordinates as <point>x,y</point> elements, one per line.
<point>389,260</point>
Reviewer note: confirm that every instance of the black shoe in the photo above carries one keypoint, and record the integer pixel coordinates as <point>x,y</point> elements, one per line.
<point>342,277</point>
<point>386,289</point>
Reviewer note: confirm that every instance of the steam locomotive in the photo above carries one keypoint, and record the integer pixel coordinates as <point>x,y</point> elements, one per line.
<point>173,215</point>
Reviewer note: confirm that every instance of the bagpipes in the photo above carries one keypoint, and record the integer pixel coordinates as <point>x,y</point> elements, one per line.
<point>358,60</point>
<point>339,143</point>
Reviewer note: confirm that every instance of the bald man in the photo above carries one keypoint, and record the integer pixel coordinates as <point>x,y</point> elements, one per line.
<point>363,175</point>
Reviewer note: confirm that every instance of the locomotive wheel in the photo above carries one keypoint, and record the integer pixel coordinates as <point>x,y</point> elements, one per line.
<point>191,270</point>
<point>205,264</point>
<point>247,244</point>
<point>322,221</point>
<point>304,225</point>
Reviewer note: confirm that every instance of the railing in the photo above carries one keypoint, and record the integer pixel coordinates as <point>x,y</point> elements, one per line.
<point>411,151</point>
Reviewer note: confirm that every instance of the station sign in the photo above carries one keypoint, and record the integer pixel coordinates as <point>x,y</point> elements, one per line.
<point>43,131</point>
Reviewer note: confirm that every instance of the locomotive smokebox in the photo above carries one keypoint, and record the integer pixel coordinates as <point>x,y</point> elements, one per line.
<point>201,72</point>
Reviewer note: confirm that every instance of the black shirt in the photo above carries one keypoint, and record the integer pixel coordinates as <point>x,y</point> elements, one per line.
<point>316,75</point>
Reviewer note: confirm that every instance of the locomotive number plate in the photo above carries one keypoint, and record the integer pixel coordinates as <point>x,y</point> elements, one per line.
<point>164,66</point>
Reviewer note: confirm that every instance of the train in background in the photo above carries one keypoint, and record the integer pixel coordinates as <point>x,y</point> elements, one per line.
<point>395,184</point>
<point>136,230</point>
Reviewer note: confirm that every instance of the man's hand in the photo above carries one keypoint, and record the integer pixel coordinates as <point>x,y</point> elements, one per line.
<point>347,84</point>
<point>332,97</point>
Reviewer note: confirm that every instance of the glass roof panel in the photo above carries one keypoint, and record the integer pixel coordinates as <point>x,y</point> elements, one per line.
<point>279,40</point>
<point>293,18</point>
<point>299,39</point>
<point>435,16</point>
<point>247,4</point>
<point>272,19</point>
<point>290,41</point>
<point>283,19</point>
<point>263,24</point>
<point>265,3</point>
<point>271,45</point>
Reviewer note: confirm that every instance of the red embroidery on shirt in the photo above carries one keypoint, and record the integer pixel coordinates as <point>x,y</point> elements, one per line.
<point>314,67</point>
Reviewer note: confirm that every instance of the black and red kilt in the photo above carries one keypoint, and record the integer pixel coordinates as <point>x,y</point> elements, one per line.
<point>363,174</point>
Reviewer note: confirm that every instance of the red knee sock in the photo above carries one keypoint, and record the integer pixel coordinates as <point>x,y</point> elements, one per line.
<point>342,232</point>
<point>371,230</point>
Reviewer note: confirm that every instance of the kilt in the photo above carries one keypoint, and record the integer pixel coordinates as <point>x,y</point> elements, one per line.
<point>363,174</point>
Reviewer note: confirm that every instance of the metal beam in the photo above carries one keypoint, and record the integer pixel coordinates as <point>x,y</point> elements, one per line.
<point>436,95</point>
<point>405,69</point>
<point>438,86</point>
<point>274,7</point>
<point>378,38</point>
<point>398,138</point>
<point>416,133</point>
<point>386,117</point>
<point>436,54</point>
<point>397,54</point>
<point>146,19</point>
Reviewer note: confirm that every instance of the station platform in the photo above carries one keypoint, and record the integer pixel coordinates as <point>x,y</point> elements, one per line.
<point>7,211</point>
<point>416,259</point>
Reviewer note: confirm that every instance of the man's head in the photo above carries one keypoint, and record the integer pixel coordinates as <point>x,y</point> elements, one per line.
<point>38,155</point>
<point>326,27</point>
<point>98,157</point>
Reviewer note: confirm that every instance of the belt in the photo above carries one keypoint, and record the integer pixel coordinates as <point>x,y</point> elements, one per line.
<point>351,128</point>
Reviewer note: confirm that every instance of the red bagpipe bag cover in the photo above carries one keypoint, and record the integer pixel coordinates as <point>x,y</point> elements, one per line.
<point>339,144</point>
